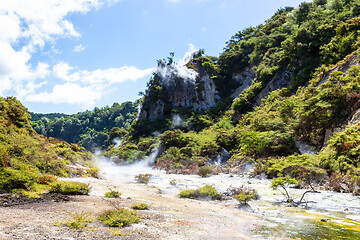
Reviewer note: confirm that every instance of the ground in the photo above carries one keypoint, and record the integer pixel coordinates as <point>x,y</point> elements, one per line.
<point>169,217</point>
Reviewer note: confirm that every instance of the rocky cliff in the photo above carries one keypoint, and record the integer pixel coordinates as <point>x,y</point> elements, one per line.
<point>175,86</point>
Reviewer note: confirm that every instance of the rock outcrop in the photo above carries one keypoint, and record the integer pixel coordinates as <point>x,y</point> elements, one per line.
<point>245,78</point>
<point>178,87</point>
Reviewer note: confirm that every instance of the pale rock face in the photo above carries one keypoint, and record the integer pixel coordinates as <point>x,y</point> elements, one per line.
<point>180,92</point>
<point>280,80</point>
<point>184,93</point>
<point>350,61</point>
<point>156,111</point>
<point>245,78</point>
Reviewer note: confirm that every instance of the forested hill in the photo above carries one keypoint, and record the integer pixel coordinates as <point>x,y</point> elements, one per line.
<point>90,129</point>
<point>283,96</point>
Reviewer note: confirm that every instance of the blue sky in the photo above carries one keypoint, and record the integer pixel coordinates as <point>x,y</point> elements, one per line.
<point>72,55</point>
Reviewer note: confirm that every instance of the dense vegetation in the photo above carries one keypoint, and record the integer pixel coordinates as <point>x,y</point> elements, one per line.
<point>27,157</point>
<point>301,47</point>
<point>90,129</point>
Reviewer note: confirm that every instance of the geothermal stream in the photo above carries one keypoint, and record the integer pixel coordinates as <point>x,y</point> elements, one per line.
<point>328,215</point>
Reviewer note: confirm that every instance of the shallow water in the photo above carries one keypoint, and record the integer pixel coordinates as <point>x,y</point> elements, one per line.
<point>278,221</point>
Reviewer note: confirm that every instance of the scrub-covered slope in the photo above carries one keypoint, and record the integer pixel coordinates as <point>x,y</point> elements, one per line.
<point>283,88</point>
<point>25,155</point>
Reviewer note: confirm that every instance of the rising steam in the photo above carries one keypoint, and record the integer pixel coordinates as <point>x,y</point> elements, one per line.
<point>176,121</point>
<point>173,70</point>
<point>125,173</point>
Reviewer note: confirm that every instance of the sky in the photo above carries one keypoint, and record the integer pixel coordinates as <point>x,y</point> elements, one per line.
<point>69,56</point>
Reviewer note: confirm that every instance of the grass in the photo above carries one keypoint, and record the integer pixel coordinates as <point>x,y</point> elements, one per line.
<point>70,188</point>
<point>119,217</point>
<point>141,206</point>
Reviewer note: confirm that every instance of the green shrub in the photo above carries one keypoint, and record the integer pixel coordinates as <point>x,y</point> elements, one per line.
<point>78,220</point>
<point>210,191</point>
<point>205,171</point>
<point>70,188</point>
<point>119,217</point>
<point>203,192</point>
<point>22,178</point>
<point>113,194</point>
<point>189,193</point>
<point>47,179</point>
<point>243,195</point>
<point>141,206</point>
<point>93,172</point>
<point>143,178</point>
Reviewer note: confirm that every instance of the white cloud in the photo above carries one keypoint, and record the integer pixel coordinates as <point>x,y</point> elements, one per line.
<point>70,93</point>
<point>80,48</point>
<point>100,76</point>
<point>85,87</point>
<point>25,28</point>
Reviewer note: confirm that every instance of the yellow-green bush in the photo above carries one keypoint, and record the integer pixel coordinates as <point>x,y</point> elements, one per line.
<point>140,206</point>
<point>70,188</point>
<point>119,217</point>
<point>203,192</point>
<point>113,194</point>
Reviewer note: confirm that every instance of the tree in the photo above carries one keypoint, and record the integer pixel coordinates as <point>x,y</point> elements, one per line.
<point>284,183</point>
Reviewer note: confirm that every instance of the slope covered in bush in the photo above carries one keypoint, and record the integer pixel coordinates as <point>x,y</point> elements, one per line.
<point>26,155</point>
<point>304,71</point>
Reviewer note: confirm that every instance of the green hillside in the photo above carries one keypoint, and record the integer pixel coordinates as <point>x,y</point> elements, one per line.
<point>27,158</point>
<point>90,129</point>
<point>305,90</point>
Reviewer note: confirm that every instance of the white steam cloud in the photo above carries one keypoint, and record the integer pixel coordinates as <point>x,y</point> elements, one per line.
<point>117,142</point>
<point>177,121</point>
<point>125,173</point>
<point>174,70</point>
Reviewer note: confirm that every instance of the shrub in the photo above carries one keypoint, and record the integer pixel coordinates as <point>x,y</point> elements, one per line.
<point>113,194</point>
<point>143,178</point>
<point>93,172</point>
<point>78,221</point>
<point>210,191</point>
<point>243,195</point>
<point>189,193</point>
<point>141,206</point>
<point>70,188</point>
<point>119,217</point>
<point>205,171</point>
<point>206,191</point>
<point>47,179</point>
<point>11,178</point>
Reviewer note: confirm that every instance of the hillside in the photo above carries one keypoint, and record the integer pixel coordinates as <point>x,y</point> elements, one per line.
<point>27,157</point>
<point>283,96</point>
<point>90,129</point>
